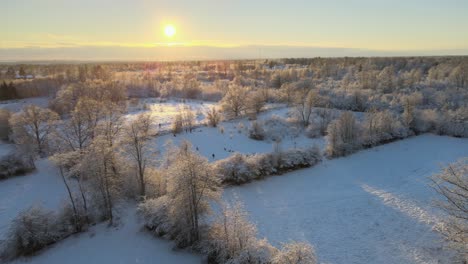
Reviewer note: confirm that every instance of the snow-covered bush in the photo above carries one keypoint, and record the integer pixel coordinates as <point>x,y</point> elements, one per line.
<point>155,213</point>
<point>14,165</point>
<point>236,169</point>
<point>232,238</point>
<point>256,131</point>
<point>343,136</point>
<point>32,230</point>
<point>427,120</point>
<point>381,127</point>
<point>297,253</point>
<point>239,168</point>
<point>455,123</point>
<point>277,127</point>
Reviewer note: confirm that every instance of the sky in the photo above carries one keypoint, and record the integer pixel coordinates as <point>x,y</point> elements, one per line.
<point>208,29</point>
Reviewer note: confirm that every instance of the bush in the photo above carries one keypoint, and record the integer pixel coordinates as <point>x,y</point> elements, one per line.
<point>297,253</point>
<point>33,230</point>
<point>256,131</point>
<point>214,117</point>
<point>13,165</point>
<point>155,213</point>
<point>239,168</point>
<point>177,124</point>
<point>4,124</point>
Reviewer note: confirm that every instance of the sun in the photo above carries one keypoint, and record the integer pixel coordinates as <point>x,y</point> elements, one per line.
<point>169,31</point>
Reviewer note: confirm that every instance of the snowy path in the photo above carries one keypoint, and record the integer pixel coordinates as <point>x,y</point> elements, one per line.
<point>371,207</point>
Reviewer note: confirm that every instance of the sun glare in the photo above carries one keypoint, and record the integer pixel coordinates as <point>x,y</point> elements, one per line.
<point>169,31</point>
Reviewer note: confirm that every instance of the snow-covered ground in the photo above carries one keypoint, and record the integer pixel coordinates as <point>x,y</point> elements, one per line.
<point>233,136</point>
<point>17,105</point>
<point>127,243</point>
<point>370,207</point>
<point>6,148</point>
<point>164,112</point>
<point>41,187</point>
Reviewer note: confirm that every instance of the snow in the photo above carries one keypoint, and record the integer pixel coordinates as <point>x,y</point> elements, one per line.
<point>371,207</point>
<point>235,138</point>
<point>6,149</point>
<point>127,243</point>
<point>17,105</point>
<point>164,112</point>
<point>42,186</point>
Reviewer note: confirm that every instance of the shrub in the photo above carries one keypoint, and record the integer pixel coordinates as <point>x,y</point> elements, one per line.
<point>13,165</point>
<point>297,253</point>
<point>214,117</point>
<point>177,124</point>
<point>239,168</point>
<point>256,131</point>
<point>33,230</point>
<point>4,124</point>
<point>155,213</point>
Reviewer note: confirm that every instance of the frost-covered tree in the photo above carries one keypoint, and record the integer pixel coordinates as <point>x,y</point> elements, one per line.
<point>134,141</point>
<point>33,125</point>
<point>101,166</point>
<point>232,238</point>
<point>177,124</point>
<point>305,101</point>
<point>255,103</point>
<point>79,130</point>
<point>64,161</point>
<point>343,135</point>
<point>191,186</point>
<point>234,102</point>
<point>408,114</point>
<point>213,116</point>
<point>452,185</point>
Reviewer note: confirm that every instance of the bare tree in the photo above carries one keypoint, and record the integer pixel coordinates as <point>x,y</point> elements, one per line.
<point>33,125</point>
<point>231,234</point>
<point>79,130</point>
<point>191,186</point>
<point>343,135</point>
<point>305,101</point>
<point>452,185</point>
<point>255,103</point>
<point>136,135</point>
<point>234,102</point>
<point>213,116</point>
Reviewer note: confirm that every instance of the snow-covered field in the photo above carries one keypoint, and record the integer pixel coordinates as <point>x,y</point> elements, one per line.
<point>371,207</point>
<point>233,136</point>
<point>164,112</point>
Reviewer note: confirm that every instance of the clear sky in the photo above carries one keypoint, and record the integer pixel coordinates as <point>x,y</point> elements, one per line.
<point>62,27</point>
